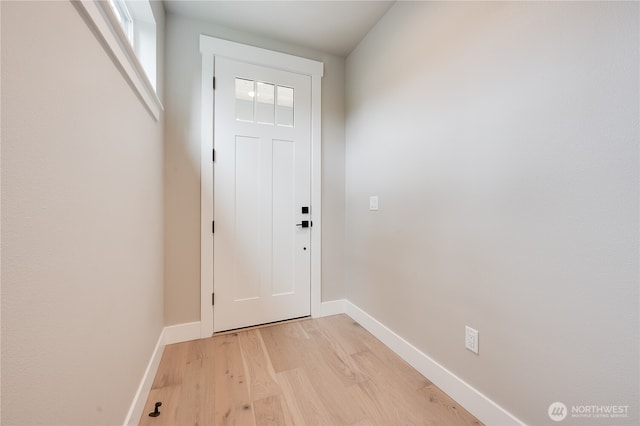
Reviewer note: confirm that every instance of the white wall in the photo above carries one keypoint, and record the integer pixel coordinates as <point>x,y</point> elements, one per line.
<point>82,223</point>
<point>502,140</point>
<point>182,163</point>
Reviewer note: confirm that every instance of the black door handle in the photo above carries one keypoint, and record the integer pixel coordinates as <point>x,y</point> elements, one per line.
<point>304,224</point>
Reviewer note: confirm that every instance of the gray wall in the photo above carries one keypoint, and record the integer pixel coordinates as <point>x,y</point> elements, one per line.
<point>502,140</point>
<point>182,163</point>
<point>82,223</point>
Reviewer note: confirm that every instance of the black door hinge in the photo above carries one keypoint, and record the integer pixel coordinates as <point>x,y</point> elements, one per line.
<point>213,299</point>
<point>214,82</point>
<point>214,156</point>
<point>213,226</point>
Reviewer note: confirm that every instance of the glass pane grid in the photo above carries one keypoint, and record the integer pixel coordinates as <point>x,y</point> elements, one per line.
<point>285,106</point>
<point>245,94</point>
<point>264,103</point>
<point>265,109</point>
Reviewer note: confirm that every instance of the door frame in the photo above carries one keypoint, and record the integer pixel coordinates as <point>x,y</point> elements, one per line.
<point>210,47</point>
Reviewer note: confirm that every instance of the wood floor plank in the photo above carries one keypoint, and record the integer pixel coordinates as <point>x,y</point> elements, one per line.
<point>354,338</point>
<point>232,402</point>
<point>329,350</point>
<point>362,396</point>
<point>261,378</point>
<point>333,375</point>
<point>327,371</point>
<point>169,396</point>
<point>332,393</point>
<point>171,368</point>
<point>428,406</point>
<point>302,400</point>
<point>268,411</point>
<point>389,391</point>
<point>442,409</point>
<point>286,345</point>
<point>365,422</point>
<point>291,409</point>
<point>201,348</point>
<point>184,385</point>
<point>196,402</point>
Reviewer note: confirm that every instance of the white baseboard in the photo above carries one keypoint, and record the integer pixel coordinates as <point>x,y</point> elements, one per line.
<point>333,307</point>
<point>181,332</point>
<point>135,411</point>
<point>487,411</point>
<point>169,335</point>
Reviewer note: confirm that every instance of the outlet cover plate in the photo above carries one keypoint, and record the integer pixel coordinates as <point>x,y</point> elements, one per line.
<point>471,339</point>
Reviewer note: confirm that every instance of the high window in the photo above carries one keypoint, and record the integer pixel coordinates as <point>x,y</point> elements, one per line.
<point>128,29</point>
<point>123,15</point>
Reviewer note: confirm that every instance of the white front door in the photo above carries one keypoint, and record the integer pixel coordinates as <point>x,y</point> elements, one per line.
<point>262,133</point>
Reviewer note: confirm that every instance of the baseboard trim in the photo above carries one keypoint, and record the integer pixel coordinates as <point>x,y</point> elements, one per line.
<point>181,332</point>
<point>333,307</point>
<point>487,411</point>
<point>140,398</point>
<point>169,335</point>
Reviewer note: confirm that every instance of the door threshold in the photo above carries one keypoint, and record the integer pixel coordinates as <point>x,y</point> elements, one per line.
<point>254,327</point>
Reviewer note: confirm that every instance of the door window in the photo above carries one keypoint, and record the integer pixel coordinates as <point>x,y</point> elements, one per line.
<point>264,103</point>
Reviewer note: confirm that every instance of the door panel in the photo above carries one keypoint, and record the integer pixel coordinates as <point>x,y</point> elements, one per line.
<point>248,189</point>
<point>261,180</point>
<point>283,248</point>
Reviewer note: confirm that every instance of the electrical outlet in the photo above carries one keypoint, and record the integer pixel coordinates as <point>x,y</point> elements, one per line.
<point>471,339</point>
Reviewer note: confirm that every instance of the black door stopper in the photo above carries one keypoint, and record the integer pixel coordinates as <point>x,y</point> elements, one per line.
<point>156,412</point>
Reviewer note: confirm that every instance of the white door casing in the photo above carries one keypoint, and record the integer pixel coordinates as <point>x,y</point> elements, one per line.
<point>213,50</point>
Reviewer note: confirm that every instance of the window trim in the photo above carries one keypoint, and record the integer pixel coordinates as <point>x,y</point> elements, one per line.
<point>102,20</point>
<point>124,17</point>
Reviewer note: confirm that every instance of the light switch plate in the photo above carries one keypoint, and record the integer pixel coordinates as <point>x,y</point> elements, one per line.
<point>373,202</point>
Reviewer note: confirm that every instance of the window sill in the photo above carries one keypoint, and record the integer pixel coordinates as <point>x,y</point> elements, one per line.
<point>102,21</point>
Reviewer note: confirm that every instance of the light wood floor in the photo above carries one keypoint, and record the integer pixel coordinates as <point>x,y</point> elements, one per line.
<point>326,371</point>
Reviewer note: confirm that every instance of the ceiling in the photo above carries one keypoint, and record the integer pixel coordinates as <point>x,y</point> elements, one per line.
<point>334,27</point>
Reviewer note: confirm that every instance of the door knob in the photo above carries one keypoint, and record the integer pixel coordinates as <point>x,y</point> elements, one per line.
<point>304,224</point>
